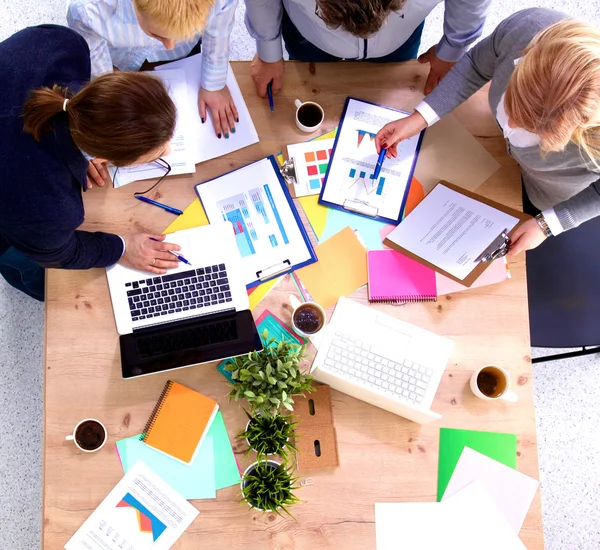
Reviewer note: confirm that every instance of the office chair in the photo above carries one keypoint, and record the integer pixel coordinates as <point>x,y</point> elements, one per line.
<point>563,284</point>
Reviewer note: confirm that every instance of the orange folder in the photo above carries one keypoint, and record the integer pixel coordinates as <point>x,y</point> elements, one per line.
<point>180,420</point>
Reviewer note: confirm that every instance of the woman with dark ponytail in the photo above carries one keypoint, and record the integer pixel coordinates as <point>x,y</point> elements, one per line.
<point>50,115</point>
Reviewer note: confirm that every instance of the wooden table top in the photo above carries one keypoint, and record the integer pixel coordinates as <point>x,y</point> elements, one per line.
<point>383,457</point>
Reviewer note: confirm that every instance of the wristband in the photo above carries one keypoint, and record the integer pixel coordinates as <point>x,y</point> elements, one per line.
<point>543,225</point>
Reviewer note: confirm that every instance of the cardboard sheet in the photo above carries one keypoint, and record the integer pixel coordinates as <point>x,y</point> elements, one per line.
<point>340,270</point>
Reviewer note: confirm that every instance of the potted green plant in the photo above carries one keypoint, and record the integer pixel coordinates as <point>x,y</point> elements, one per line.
<point>269,434</point>
<point>269,379</point>
<point>268,486</point>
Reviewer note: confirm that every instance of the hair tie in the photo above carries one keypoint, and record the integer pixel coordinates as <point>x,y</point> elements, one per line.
<point>65,105</point>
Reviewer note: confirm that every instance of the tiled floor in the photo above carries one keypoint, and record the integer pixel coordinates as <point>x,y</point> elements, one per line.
<point>567,393</point>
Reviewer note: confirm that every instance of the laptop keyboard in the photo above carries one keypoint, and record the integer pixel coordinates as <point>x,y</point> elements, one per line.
<point>400,379</point>
<point>187,338</point>
<point>175,292</point>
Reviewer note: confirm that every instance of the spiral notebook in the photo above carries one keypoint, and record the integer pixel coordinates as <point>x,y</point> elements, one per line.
<point>395,278</point>
<point>179,422</point>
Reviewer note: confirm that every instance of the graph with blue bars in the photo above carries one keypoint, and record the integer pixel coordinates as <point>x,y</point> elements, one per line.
<point>235,210</point>
<point>359,178</point>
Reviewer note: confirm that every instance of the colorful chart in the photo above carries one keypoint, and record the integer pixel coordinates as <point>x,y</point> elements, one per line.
<point>311,160</point>
<point>358,178</point>
<point>361,136</point>
<point>147,521</point>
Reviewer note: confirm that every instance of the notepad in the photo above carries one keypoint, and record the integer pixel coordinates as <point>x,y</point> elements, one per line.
<point>395,278</point>
<point>179,422</point>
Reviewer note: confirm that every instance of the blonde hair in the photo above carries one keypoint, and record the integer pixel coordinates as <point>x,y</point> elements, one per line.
<point>180,19</point>
<point>554,90</point>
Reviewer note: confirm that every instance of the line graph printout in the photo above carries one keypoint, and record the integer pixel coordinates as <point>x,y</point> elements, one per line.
<point>142,512</point>
<point>350,181</point>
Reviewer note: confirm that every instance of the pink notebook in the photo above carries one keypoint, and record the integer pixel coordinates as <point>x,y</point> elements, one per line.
<point>395,278</point>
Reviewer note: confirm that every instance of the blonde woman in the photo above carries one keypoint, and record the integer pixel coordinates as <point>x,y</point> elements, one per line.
<point>545,94</point>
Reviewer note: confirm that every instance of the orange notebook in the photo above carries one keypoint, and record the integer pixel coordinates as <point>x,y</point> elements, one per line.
<point>179,422</point>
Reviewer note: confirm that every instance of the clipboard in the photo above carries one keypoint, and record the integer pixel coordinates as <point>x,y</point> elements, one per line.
<point>359,207</point>
<point>277,222</point>
<point>492,247</point>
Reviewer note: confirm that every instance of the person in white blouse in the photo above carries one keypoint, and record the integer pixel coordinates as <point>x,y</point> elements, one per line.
<point>124,34</point>
<point>544,70</point>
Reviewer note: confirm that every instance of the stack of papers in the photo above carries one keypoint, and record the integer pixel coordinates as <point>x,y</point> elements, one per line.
<point>214,466</point>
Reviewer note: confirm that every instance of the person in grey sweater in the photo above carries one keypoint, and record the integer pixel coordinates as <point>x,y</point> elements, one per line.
<point>544,69</point>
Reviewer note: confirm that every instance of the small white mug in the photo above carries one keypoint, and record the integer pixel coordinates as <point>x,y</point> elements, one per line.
<point>312,110</point>
<point>495,382</point>
<point>73,437</point>
<point>297,305</point>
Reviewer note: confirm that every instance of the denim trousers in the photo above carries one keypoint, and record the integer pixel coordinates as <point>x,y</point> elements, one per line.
<point>23,273</point>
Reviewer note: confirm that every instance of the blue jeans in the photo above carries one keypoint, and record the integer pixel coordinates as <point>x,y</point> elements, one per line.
<point>23,273</point>
<point>301,49</point>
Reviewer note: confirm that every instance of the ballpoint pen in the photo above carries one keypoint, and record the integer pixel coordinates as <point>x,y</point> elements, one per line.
<point>170,209</point>
<point>270,94</point>
<point>178,256</point>
<point>379,163</point>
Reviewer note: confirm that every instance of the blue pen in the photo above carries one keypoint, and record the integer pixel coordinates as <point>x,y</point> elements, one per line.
<point>379,163</point>
<point>270,94</point>
<point>180,258</point>
<point>170,209</point>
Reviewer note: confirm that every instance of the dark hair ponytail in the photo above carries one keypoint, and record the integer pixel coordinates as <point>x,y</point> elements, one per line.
<point>120,116</point>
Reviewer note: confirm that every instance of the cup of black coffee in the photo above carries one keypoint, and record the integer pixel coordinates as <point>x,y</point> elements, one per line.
<point>307,318</point>
<point>309,116</point>
<point>89,435</point>
<point>492,382</point>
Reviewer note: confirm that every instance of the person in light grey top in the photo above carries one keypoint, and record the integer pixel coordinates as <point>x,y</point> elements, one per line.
<point>372,30</point>
<point>544,69</point>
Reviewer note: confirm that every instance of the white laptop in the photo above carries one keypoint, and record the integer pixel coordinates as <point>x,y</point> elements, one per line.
<point>381,360</point>
<point>193,314</point>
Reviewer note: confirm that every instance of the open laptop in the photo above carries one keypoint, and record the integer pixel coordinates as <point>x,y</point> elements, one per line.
<point>193,314</point>
<point>381,360</point>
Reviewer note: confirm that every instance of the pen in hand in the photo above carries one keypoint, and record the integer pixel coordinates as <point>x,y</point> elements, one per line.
<point>379,162</point>
<point>178,256</point>
<point>270,94</point>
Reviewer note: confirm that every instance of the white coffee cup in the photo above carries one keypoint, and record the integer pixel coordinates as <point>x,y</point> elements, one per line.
<point>315,109</point>
<point>498,384</point>
<point>298,306</point>
<point>73,436</point>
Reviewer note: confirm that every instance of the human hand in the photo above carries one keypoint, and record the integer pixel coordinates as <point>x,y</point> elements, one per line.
<point>527,236</point>
<point>222,110</point>
<point>262,73</point>
<point>438,68</point>
<point>96,173</point>
<point>147,255</point>
<point>394,132</point>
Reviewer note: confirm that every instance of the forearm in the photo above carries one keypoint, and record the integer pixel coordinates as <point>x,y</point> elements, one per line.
<point>263,21</point>
<point>579,208</point>
<point>463,24</point>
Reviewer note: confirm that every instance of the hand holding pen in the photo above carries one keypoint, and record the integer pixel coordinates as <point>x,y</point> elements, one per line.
<point>395,132</point>
<point>178,256</point>
<point>149,252</point>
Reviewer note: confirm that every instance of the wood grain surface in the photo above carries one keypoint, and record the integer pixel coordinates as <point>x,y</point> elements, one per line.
<point>383,458</point>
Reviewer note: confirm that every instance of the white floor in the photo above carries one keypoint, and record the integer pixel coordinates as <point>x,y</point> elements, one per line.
<point>567,393</point>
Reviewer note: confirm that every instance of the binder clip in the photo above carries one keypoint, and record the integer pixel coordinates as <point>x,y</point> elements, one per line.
<point>288,171</point>
<point>498,248</point>
<point>360,207</point>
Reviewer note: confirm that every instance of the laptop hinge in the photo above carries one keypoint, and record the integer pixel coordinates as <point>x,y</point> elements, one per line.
<point>215,315</point>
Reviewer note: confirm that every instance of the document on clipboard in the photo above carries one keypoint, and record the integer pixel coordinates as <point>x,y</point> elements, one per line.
<point>269,232</point>
<point>350,183</point>
<point>455,232</point>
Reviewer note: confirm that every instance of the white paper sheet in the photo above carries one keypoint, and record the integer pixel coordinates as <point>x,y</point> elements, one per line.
<point>349,181</point>
<point>180,158</point>
<point>204,144</point>
<point>451,230</point>
<point>512,491</point>
<point>141,513</point>
<point>267,233</point>
<point>310,162</point>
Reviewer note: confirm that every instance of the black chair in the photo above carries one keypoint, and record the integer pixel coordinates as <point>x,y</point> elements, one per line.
<point>563,284</point>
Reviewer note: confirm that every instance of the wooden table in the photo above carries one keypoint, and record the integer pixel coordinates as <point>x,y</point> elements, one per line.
<point>383,457</point>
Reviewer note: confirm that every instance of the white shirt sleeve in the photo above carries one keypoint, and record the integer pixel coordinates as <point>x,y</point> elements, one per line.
<point>122,239</point>
<point>552,221</point>
<point>427,113</point>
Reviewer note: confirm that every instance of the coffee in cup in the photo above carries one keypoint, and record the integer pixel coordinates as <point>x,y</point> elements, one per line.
<point>307,318</point>
<point>492,382</point>
<point>309,116</point>
<point>89,435</point>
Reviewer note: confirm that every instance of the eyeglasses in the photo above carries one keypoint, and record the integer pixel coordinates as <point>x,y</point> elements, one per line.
<point>318,11</point>
<point>159,163</point>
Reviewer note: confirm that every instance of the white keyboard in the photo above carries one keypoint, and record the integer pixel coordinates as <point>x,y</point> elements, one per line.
<point>399,379</point>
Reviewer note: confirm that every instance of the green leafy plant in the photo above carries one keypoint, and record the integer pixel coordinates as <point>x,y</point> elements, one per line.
<point>269,434</point>
<point>269,379</point>
<point>269,486</point>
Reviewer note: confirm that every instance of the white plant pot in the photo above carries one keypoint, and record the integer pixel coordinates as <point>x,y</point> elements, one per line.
<point>251,447</point>
<point>273,463</point>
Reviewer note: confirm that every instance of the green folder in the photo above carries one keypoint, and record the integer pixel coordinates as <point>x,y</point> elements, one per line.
<point>226,468</point>
<point>499,446</point>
